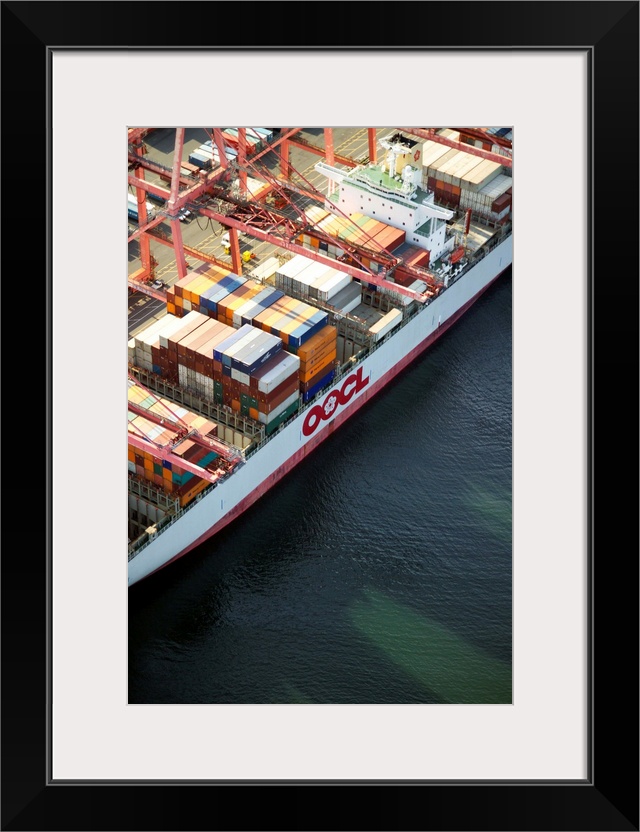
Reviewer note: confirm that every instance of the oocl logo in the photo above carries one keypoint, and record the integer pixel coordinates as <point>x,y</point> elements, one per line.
<point>321,412</point>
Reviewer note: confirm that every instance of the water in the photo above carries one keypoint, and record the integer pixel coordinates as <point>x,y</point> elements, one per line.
<point>379,571</point>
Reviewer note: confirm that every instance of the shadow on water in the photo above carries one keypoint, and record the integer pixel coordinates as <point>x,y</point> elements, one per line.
<point>432,654</point>
<point>493,510</point>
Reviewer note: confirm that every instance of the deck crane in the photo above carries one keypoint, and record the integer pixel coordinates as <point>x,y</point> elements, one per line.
<point>228,456</point>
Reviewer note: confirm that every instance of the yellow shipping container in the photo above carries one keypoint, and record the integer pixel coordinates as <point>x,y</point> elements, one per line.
<point>193,291</point>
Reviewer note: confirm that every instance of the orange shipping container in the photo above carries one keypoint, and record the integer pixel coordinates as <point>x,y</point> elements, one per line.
<point>235,405</point>
<point>317,358</point>
<point>316,370</point>
<point>327,335</point>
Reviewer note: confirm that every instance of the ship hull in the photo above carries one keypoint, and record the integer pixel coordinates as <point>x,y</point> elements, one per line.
<point>317,421</point>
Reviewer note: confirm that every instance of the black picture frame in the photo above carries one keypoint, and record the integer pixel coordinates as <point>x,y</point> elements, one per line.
<point>608,798</point>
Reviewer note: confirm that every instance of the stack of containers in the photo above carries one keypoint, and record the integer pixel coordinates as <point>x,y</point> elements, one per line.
<point>347,299</point>
<point>258,378</point>
<point>452,174</point>
<point>227,306</point>
<point>206,155</point>
<point>245,313</point>
<point>207,383</point>
<point>140,345</point>
<point>286,273</point>
<point>273,393</point>
<point>201,290</point>
<point>493,199</point>
<point>292,320</point>
<point>358,229</point>
<point>307,278</point>
<point>317,362</point>
<point>169,344</point>
<point>159,349</point>
<point>263,132</point>
<point>166,474</point>
<point>144,348</point>
<point>188,354</point>
<point>330,284</point>
<point>218,291</point>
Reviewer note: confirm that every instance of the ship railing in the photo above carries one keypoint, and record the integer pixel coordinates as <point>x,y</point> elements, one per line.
<point>145,539</point>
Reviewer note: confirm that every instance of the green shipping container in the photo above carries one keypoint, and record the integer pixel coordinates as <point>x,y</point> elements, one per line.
<point>282,417</point>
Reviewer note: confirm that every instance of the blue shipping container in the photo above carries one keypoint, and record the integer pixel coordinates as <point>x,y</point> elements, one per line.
<point>324,382</point>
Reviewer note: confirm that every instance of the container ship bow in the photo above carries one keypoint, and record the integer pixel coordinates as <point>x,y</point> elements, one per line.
<point>243,375</point>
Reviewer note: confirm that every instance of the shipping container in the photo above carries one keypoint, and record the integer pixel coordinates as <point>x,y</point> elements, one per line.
<point>280,369</point>
<point>265,270</point>
<point>324,382</point>
<point>386,324</point>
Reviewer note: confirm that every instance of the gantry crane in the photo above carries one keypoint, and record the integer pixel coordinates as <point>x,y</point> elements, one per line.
<point>228,456</point>
<point>271,224</point>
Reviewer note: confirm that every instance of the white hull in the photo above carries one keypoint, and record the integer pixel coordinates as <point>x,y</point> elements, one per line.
<point>290,445</point>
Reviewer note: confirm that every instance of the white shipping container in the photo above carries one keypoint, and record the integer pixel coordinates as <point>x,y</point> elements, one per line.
<point>311,275</point>
<point>247,334</point>
<point>289,366</point>
<point>496,187</point>
<point>481,175</point>
<point>265,270</point>
<point>149,334</point>
<point>431,151</point>
<point>386,324</point>
<point>466,169</point>
<point>292,267</point>
<point>258,346</point>
<point>176,324</point>
<point>333,285</point>
<point>243,378</point>
<point>205,382</point>
<point>348,298</point>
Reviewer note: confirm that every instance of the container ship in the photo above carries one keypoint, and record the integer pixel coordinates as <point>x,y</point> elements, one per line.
<point>250,367</point>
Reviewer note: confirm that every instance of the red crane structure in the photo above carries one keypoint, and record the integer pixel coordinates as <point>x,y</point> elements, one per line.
<point>182,431</point>
<point>211,197</point>
<point>432,134</point>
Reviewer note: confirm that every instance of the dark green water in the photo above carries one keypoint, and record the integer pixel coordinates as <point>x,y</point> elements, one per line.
<point>378,571</point>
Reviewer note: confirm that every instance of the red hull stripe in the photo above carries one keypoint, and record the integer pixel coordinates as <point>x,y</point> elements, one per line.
<point>324,432</point>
